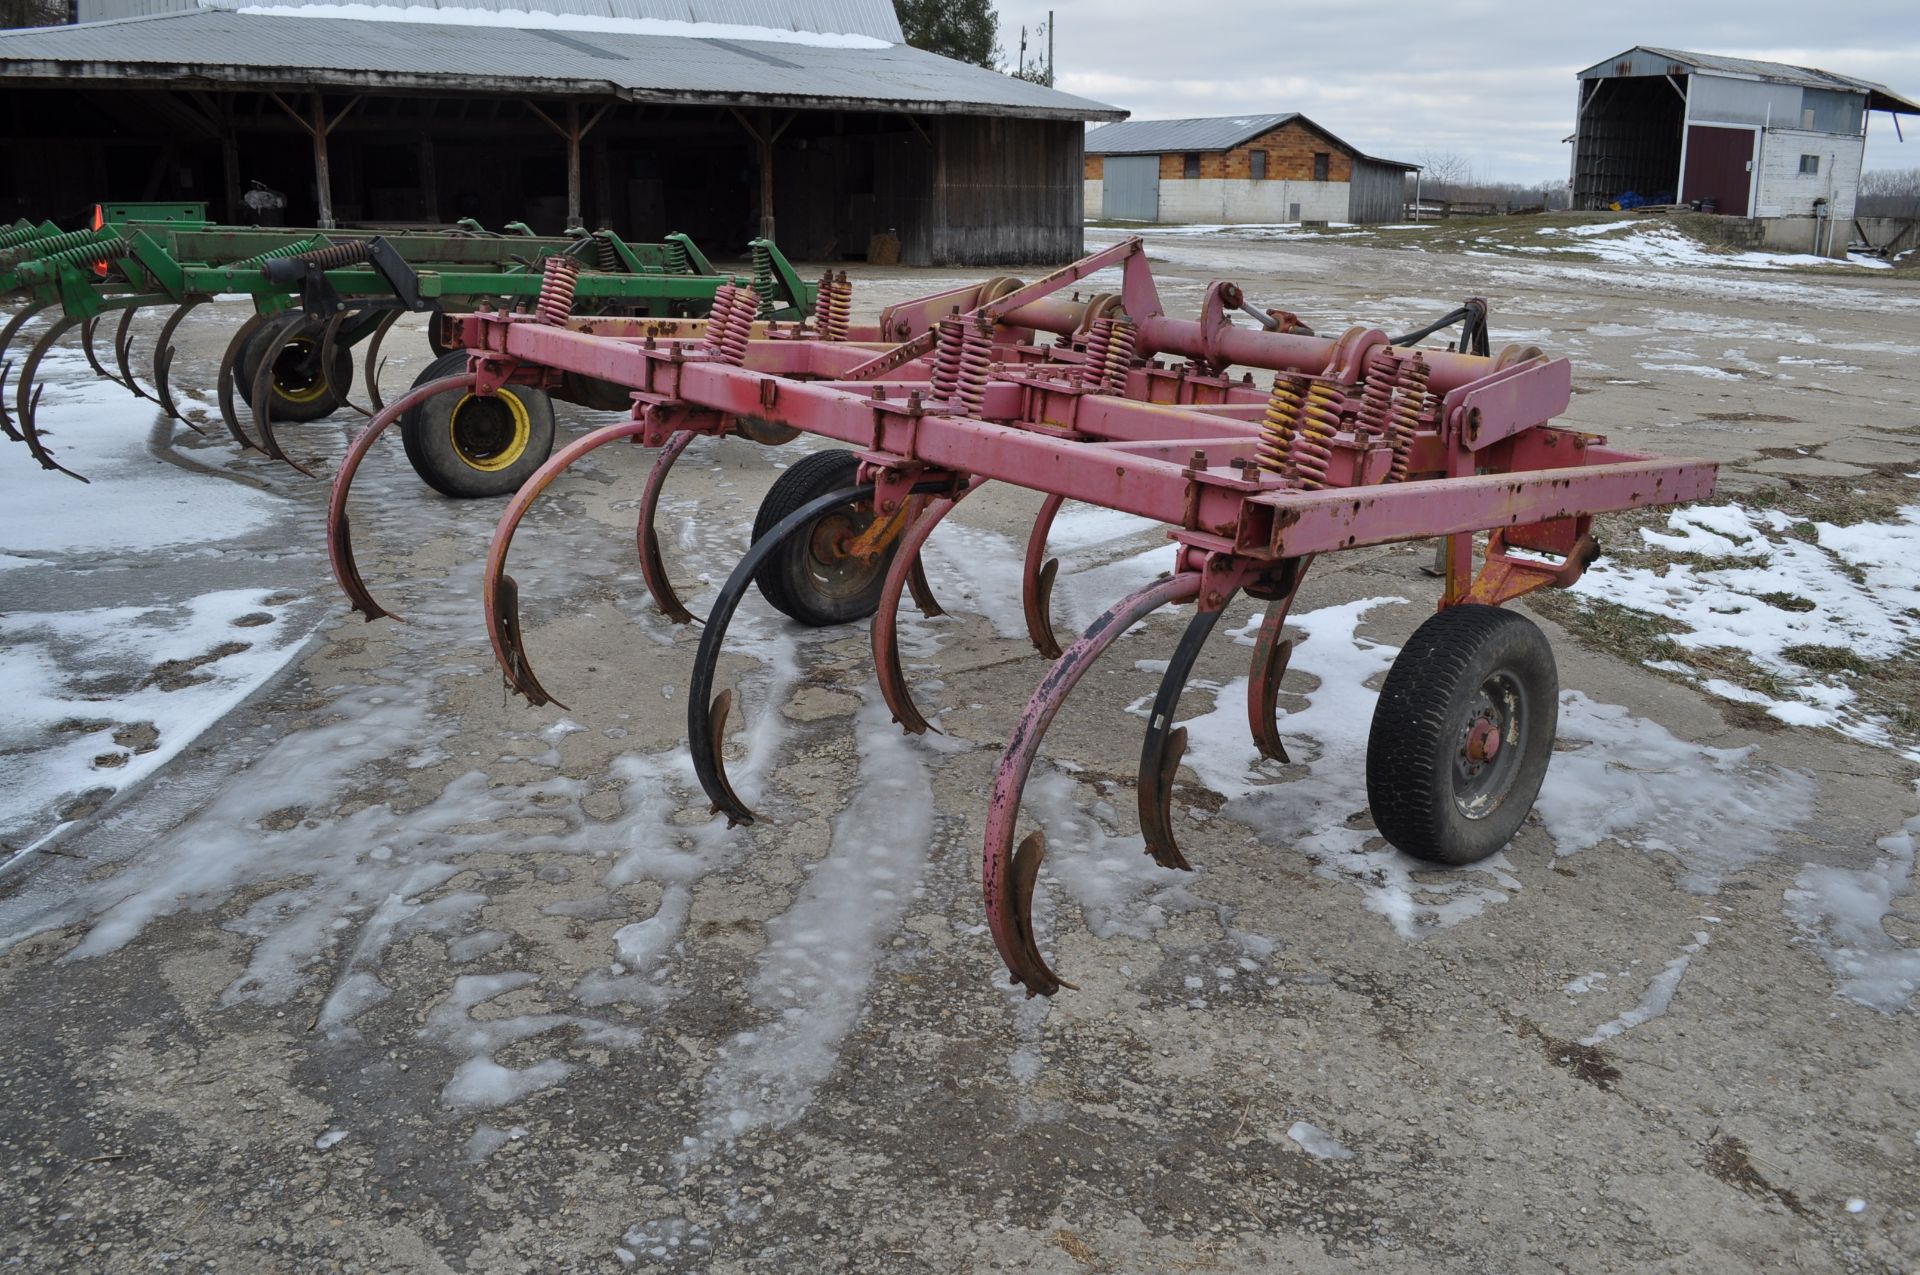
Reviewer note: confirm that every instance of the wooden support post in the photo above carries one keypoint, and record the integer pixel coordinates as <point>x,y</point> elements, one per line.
<point>322,172</point>
<point>317,127</point>
<point>572,133</point>
<point>764,136</point>
<point>230,171</point>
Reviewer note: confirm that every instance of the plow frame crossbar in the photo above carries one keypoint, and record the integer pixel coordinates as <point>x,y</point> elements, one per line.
<point>1186,464</point>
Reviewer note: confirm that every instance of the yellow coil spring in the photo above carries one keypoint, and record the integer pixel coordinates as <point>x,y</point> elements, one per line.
<point>1312,447</point>
<point>1119,360</point>
<point>558,277</point>
<point>836,300</point>
<point>1283,415</point>
<point>1409,400</point>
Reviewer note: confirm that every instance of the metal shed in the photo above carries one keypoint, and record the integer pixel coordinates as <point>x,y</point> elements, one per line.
<point>729,118</point>
<point>1777,145</point>
<point>1238,168</point>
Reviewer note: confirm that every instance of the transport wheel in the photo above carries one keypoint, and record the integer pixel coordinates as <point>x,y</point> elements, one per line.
<point>1462,734</point>
<point>812,577</point>
<point>300,393</point>
<point>470,446</point>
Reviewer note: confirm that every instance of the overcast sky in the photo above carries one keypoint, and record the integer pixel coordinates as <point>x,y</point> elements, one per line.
<point>1491,81</point>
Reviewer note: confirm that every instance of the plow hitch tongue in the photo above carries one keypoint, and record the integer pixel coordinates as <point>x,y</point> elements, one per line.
<point>1257,444</point>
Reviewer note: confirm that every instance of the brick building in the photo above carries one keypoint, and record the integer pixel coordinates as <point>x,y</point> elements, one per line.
<point>1239,168</point>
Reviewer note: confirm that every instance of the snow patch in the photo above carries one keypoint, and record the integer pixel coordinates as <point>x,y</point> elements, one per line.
<point>543,20</point>
<point>1658,997</point>
<point>1842,912</point>
<point>1317,1142</point>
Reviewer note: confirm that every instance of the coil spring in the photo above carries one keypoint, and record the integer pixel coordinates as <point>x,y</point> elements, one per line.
<point>1283,416</point>
<point>976,357</point>
<point>1409,400</point>
<point>1093,371</point>
<point>559,276</point>
<point>1376,401</point>
<point>718,316</point>
<point>340,254</point>
<point>764,283</point>
<point>605,255</point>
<point>737,327</point>
<point>835,306</point>
<point>947,355</point>
<point>18,235</point>
<point>677,262</point>
<point>41,249</point>
<point>1119,360</point>
<point>86,256</point>
<point>1312,448</point>
<point>258,259</point>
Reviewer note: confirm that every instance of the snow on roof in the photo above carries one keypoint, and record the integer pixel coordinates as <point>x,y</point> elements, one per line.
<point>546,20</point>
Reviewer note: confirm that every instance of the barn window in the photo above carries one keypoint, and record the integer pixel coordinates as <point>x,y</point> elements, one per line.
<point>1190,165</point>
<point>1809,163</point>
<point>1257,165</point>
<point>1322,163</point>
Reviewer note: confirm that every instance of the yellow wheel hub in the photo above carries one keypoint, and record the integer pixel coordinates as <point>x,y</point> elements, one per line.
<point>298,350</point>
<point>490,433</point>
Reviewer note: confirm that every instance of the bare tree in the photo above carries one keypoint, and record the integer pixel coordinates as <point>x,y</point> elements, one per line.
<point>1889,192</point>
<point>1445,171</point>
<point>32,13</point>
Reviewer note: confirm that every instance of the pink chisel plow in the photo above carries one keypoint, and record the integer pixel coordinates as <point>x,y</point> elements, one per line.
<point>1350,441</point>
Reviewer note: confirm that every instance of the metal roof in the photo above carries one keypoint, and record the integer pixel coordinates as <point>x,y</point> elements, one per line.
<point>1880,97</point>
<point>1154,137</point>
<point>216,48</point>
<point>1218,133</point>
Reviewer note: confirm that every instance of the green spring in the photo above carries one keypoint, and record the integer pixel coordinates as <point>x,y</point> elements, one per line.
<point>296,249</point>
<point>763,280</point>
<point>41,248</point>
<point>108,248</point>
<point>677,262</point>
<point>18,235</point>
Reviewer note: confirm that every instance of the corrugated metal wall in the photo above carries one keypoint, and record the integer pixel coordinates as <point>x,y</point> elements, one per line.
<point>1378,194</point>
<point>873,18</point>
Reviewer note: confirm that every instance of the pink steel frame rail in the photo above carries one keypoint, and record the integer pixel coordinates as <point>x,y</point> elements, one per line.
<point>1355,443</point>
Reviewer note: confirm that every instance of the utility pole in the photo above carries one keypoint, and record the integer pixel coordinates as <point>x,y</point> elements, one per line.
<point>1049,48</point>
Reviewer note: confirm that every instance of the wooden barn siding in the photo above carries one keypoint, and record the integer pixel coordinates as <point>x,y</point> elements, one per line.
<point>1006,192</point>
<point>1378,193</point>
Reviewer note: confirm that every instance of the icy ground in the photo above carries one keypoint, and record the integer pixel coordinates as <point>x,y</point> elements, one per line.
<point>136,610</point>
<point>341,868</point>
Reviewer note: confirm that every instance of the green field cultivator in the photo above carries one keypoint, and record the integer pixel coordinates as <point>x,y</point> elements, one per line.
<point>320,297</point>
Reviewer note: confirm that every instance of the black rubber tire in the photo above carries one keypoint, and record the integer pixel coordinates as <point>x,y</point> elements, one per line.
<point>437,335</point>
<point>296,397</point>
<point>428,434</point>
<point>789,579</point>
<point>1429,796</point>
